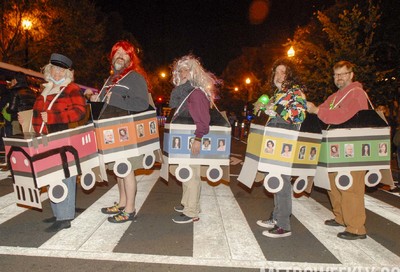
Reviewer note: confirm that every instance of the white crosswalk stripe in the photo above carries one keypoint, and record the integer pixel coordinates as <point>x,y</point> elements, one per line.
<point>222,237</point>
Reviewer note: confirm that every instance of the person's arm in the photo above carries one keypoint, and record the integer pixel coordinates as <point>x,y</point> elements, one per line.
<point>354,102</point>
<point>132,94</point>
<point>199,108</point>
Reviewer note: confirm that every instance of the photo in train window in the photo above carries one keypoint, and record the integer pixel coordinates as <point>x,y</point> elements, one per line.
<point>365,150</point>
<point>313,153</point>
<point>349,150</point>
<point>206,144</point>
<point>269,146</point>
<point>153,129</point>
<point>190,142</point>
<point>334,151</point>
<point>176,142</point>
<point>221,145</point>
<point>140,130</point>
<point>108,136</point>
<point>286,150</point>
<point>302,152</point>
<point>123,134</point>
<point>382,151</point>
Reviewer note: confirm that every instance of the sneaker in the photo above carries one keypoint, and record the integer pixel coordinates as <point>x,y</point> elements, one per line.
<point>184,219</point>
<point>59,225</point>
<point>179,208</point>
<point>269,224</point>
<point>276,232</point>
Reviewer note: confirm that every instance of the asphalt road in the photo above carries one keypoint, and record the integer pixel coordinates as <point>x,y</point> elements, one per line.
<point>225,239</point>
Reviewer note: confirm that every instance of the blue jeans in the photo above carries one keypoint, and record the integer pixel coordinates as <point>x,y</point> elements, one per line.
<point>65,210</point>
<point>283,204</point>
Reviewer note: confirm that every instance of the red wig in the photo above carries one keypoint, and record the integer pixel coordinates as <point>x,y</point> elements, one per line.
<point>135,61</point>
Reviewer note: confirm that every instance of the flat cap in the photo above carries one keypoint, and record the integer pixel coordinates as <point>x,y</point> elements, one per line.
<point>60,60</point>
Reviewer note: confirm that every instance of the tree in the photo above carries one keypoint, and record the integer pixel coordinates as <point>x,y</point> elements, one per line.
<point>58,26</point>
<point>342,32</point>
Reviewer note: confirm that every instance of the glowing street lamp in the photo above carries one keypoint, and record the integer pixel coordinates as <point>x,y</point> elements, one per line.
<point>291,52</point>
<point>26,25</point>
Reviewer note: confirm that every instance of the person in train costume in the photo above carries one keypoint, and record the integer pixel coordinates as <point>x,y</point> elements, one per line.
<point>193,81</point>
<point>125,91</point>
<point>60,103</point>
<point>348,205</point>
<point>287,105</point>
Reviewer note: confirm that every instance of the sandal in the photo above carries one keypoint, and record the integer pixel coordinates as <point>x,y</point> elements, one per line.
<point>113,209</point>
<point>122,217</point>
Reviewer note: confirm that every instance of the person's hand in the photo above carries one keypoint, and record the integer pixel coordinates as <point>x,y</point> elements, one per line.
<point>44,116</point>
<point>93,97</point>
<point>196,147</point>
<point>257,106</point>
<point>88,93</point>
<point>311,108</point>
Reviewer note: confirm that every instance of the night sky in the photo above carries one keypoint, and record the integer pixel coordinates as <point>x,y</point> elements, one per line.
<point>214,30</point>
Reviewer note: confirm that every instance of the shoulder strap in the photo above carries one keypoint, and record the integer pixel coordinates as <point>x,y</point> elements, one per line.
<point>51,105</point>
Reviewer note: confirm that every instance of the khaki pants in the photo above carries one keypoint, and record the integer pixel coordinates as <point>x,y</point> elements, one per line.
<point>191,193</point>
<point>348,205</point>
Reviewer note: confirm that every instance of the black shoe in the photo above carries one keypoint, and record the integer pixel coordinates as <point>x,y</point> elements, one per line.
<point>332,223</point>
<point>49,220</point>
<point>59,225</point>
<point>351,236</point>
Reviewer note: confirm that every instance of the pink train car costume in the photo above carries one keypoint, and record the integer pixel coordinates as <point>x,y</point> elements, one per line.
<point>38,160</point>
<point>214,155</point>
<point>277,148</point>
<point>357,142</point>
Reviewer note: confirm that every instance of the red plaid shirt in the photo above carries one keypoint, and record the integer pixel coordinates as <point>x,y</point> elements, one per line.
<point>69,107</point>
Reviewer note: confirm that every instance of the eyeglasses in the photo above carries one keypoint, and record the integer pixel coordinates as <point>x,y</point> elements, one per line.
<point>341,75</point>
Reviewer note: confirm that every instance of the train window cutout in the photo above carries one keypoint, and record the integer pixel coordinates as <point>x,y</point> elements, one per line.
<point>334,151</point>
<point>269,146</point>
<point>109,136</point>
<point>302,152</point>
<point>176,142</point>
<point>221,144</point>
<point>38,161</point>
<point>123,134</point>
<point>214,156</point>
<point>206,144</point>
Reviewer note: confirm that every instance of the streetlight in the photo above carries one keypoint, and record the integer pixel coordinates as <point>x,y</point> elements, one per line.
<point>26,25</point>
<point>291,52</point>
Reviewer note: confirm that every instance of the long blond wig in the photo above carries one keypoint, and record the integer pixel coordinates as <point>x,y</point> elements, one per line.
<point>199,77</point>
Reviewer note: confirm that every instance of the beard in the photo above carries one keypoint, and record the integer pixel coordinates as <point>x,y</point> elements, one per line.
<point>120,65</point>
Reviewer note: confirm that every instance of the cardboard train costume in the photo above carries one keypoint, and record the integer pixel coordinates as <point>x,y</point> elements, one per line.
<point>362,143</point>
<point>280,148</point>
<point>38,160</point>
<point>215,150</point>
